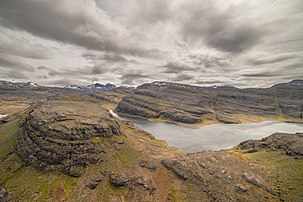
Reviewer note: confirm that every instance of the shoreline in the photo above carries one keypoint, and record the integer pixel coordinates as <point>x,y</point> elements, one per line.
<point>254,119</point>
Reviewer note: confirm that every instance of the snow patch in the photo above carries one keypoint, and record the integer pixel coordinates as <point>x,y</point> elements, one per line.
<point>113,113</point>
<point>3,115</point>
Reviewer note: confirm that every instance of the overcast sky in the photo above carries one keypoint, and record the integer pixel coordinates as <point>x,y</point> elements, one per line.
<point>203,42</point>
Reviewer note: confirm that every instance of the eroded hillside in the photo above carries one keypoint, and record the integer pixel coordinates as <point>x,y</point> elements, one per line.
<point>204,105</point>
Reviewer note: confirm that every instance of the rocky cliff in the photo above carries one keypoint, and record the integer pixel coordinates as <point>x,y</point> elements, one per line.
<point>291,144</point>
<point>66,136</point>
<point>192,104</point>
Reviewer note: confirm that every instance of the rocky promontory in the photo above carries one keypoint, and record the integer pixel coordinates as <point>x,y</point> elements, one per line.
<point>66,136</point>
<point>291,144</point>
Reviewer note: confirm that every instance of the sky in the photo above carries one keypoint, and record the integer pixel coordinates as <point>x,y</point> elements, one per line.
<point>129,42</point>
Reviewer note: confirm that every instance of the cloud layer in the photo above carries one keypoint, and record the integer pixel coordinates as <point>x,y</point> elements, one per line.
<point>244,43</point>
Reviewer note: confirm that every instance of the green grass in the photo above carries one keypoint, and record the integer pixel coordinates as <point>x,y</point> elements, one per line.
<point>8,136</point>
<point>25,182</point>
<point>285,173</point>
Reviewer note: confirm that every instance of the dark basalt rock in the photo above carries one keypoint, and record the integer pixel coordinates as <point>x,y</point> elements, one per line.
<point>66,137</point>
<point>125,108</point>
<point>252,179</point>
<point>181,117</point>
<point>240,188</point>
<point>119,180</point>
<point>148,164</point>
<point>176,167</point>
<point>189,104</point>
<point>292,144</point>
<point>126,180</point>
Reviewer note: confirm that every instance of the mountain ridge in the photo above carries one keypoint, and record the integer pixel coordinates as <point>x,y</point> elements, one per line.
<point>109,86</point>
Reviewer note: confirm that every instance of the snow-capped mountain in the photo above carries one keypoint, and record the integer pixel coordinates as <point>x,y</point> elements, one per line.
<point>293,83</point>
<point>95,86</point>
<point>9,84</point>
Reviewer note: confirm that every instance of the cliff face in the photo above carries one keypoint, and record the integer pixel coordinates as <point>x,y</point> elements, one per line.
<point>66,136</point>
<point>191,104</point>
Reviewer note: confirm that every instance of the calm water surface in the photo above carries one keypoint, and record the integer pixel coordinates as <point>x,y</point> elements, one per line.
<point>213,137</point>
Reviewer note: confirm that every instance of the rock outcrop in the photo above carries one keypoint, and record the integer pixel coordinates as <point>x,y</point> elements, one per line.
<point>291,144</point>
<point>4,196</point>
<point>54,137</point>
<point>213,171</point>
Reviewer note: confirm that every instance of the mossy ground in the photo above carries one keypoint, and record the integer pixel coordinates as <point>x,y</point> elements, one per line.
<point>285,173</point>
<point>27,183</point>
<point>8,136</point>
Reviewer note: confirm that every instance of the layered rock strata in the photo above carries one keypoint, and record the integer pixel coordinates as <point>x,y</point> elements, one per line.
<point>53,137</point>
<point>193,104</point>
<point>291,144</point>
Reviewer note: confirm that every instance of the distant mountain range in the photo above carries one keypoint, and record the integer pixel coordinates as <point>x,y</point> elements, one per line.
<point>109,86</point>
<point>297,82</point>
<point>163,84</point>
<point>31,85</point>
<point>95,86</point>
<point>18,84</point>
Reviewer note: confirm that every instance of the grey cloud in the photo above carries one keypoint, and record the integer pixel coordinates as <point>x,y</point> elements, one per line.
<point>22,47</point>
<point>152,12</point>
<point>138,12</point>
<point>41,67</point>
<point>69,72</point>
<point>111,57</point>
<point>100,68</point>
<point>272,59</point>
<point>237,39</point>
<point>263,74</point>
<point>176,67</point>
<point>292,71</point>
<point>12,63</point>
<point>207,60</point>
<point>70,80</point>
<point>135,41</point>
<point>64,82</point>
<point>42,77</point>
<point>81,23</point>
<point>16,75</point>
<point>218,28</point>
<point>108,57</point>
<point>183,77</point>
<point>278,75</point>
<point>55,73</point>
<point>133,77</point>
